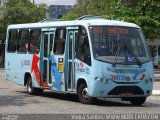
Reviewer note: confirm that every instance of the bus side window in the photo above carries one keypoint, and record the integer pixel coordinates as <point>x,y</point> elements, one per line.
<point>60,39</point>
<point>35,38</point>
<point>83,49</point>
<point>12,41</point>
<point>23,41</point>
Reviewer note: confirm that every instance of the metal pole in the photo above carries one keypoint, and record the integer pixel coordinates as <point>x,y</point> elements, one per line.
<point>33,1</point>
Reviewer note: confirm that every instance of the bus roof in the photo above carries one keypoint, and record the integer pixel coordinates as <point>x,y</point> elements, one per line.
<point>73,23</point>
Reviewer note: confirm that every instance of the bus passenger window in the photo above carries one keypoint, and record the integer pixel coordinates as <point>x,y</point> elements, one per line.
<point>83,50</point>
<point>35,38</point>
<point>70,44</point>
<point>23,41</point>
<point>12,41</point>
<point>60,39</point>
<point>45,45</point>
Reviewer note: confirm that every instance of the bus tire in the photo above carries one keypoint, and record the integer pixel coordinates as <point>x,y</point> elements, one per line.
<point>83,94</point>
<point>30,89</point>
<point>138,101</point>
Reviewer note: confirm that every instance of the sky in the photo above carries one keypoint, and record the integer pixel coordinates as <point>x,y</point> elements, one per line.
<point>56,2</point>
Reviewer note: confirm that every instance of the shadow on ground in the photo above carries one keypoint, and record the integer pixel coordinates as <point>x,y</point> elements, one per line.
<point>108,102</point>
<point>105,102</point>
<point>12,101</point>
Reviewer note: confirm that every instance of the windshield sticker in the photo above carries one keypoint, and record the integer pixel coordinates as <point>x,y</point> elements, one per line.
<point>130,58</point>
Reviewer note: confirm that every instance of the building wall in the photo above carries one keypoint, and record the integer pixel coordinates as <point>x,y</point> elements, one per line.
<point>57,11</point>
<point>2,3</point>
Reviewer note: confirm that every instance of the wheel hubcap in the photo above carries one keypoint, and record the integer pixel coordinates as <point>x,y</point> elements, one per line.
<point>85,93</point>
<point>29,87</point>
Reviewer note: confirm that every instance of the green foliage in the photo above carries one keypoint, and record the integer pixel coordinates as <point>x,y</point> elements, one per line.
<point>70,16</point>
<point>144,13</point>
<point>89,7</point>
<point>99,7</point>
<point>20,11</point>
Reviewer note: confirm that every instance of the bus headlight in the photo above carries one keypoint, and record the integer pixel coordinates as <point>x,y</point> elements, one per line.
<point>105,81</point>
<point>102,80</point>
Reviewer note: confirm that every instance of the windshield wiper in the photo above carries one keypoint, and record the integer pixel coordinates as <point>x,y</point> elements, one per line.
<point>117,54</point>
<point>129,51</point>
<point>135,56</point>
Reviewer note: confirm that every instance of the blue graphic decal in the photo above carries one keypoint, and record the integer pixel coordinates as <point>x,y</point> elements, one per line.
<point>135,76</point>
<point>57,75</point>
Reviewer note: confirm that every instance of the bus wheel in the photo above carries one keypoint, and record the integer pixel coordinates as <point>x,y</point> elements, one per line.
<point>83,94</point>
<point>30,88</point>
<point>138,100</point>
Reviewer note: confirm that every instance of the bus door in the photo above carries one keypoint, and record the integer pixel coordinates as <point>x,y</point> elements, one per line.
<point>72,35</point>
<point>47,43</point>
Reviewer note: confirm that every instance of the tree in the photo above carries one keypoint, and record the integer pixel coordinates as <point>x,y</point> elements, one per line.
<point>89,7</point>
<point>99,7</point>
<point>79,9</point>
<point>20,11</point>
<point>144,13</point>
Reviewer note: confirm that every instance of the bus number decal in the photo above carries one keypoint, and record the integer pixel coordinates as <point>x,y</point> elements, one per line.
<point>120,77</point>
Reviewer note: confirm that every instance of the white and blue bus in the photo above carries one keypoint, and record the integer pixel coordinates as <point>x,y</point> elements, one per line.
<point>93,58</point>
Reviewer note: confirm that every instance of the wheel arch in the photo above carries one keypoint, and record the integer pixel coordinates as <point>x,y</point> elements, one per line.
<point>26,76</point>
<point>79,82</point>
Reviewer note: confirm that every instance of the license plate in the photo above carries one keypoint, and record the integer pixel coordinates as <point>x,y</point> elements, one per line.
<point>126,94</point>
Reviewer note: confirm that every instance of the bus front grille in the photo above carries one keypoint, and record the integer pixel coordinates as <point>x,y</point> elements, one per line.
<point>135,90</point>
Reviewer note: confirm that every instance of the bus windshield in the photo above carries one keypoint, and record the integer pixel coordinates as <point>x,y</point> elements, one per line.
<point>116,44</point>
